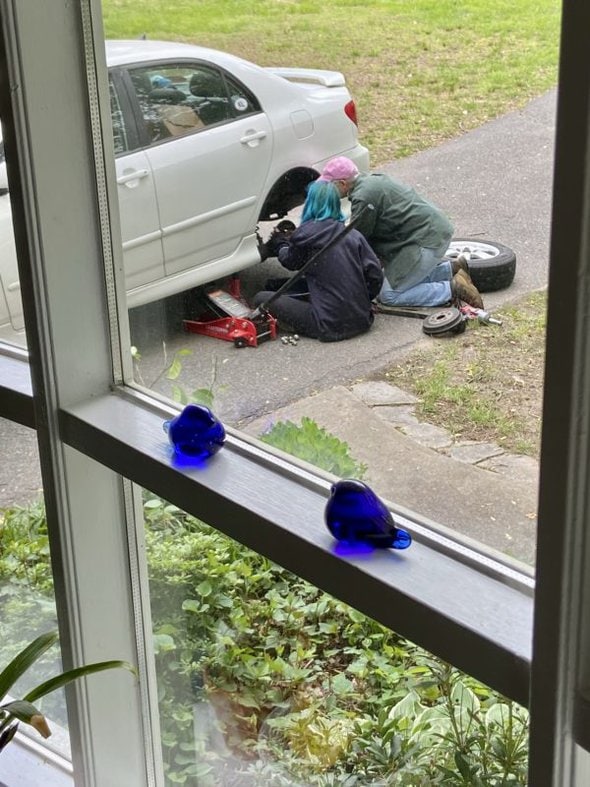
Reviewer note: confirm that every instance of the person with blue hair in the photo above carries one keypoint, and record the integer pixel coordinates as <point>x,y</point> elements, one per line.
<point>340,285</point>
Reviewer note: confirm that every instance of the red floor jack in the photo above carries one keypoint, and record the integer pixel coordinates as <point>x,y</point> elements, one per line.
<point>234,321</point>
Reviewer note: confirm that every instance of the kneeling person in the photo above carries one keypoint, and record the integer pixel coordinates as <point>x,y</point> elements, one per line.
<point>409,234</point>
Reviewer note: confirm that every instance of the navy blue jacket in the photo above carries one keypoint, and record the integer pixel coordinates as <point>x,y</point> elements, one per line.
<point>342,283</point>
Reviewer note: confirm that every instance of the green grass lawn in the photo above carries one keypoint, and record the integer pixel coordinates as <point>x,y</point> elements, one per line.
<point>420,71</point>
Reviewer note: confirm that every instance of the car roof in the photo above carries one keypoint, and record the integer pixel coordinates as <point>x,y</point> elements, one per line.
<point>121,53</point>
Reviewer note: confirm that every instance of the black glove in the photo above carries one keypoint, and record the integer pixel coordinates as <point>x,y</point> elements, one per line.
<point>278,237</point>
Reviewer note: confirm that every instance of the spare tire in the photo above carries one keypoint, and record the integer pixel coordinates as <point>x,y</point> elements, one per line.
<point>491,265</point>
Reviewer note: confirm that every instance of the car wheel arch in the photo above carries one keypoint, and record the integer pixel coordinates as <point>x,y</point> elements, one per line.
<point>287,193</point>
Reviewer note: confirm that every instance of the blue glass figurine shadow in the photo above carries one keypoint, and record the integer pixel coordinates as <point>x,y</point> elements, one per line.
<point>360,521</point>
<point>196,435</point>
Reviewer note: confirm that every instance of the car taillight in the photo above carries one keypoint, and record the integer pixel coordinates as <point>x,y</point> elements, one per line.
<point>350,112</point>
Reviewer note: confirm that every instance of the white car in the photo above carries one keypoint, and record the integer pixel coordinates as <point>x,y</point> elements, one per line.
<point>207,145</point>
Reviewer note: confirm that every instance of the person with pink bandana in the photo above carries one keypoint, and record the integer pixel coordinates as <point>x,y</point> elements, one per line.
<point>408,234</point>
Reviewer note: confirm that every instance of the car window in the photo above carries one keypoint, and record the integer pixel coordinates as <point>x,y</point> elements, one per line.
<point>180,99</point>
<point>120,137</point>
<point>241,100</point>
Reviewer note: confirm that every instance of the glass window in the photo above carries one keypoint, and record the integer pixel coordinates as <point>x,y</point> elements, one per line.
<point>207,86</point>
<point>118,120</point>
<point>164,102</point>
<point>12,325</point>
<point>242,100</point>
<point>265,679</point>
<point>27,601</point>
<point>93,435</point>
<point>178,99</point>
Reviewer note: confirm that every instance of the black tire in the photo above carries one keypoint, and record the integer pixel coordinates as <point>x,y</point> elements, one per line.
<point>491,265</point>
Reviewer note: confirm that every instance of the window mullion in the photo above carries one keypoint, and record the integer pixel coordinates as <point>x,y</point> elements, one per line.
<point>561,665</point>
<point>58,203</point>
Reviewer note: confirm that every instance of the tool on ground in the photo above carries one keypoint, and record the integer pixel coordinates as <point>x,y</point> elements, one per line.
<point>417,312</point>
<point>232,320</point>
<point>472,313</point>
<point>454,319</point>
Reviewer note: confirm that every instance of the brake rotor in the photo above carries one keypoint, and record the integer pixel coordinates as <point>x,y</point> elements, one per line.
<point>444,321</point>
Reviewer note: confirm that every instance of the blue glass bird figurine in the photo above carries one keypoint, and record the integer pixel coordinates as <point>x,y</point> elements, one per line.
<point>355,515</point>
<point>195,432</point>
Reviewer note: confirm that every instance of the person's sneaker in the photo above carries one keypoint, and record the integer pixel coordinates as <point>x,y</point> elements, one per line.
<point>460,264</point>
<point>463,289</point>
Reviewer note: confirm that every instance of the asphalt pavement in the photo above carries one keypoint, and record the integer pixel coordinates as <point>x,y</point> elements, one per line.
<point>495,184</point>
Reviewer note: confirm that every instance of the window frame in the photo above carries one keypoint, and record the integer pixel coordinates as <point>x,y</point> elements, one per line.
<point>95,435</point>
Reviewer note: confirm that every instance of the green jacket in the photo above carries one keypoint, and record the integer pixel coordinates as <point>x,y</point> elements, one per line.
<point>401,224</point>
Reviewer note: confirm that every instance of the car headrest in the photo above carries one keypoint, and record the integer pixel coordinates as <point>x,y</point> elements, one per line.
<point>205,85</point>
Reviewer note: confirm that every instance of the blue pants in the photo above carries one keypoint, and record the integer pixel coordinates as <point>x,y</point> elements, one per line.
<point>429,284</point>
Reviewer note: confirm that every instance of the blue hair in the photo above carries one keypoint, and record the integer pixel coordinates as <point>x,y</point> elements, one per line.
<point>322,202</point>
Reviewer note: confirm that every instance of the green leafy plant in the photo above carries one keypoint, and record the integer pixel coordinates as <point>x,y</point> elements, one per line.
<point>315,445</point>
<point>303,687</point>
<point>307,440</point>
<point>15,711</point>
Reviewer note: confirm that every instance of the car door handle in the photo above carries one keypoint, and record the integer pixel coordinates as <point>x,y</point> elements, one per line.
<point>137,174</point>
<point>252,137</point>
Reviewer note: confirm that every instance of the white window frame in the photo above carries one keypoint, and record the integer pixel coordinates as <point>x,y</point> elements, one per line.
<point>96,435</point>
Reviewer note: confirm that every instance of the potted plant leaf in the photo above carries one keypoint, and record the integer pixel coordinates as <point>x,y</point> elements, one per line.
<point>15,711</point>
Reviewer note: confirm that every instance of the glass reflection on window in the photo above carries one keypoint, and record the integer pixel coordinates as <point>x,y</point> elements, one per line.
<point>27,602</point>
<point>118,120</point>
<point>12,326</point>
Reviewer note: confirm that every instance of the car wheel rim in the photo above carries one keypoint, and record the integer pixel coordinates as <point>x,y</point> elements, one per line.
<point>473,250</point>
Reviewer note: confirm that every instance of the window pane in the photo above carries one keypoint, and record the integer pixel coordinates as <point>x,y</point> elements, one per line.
<point>199,215</point>
<point>264,679</point>
<point>242,100</point>
<point>178,99</point>
<point>27,603</point>
<point>120,140</point>
<point>12,327</point>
